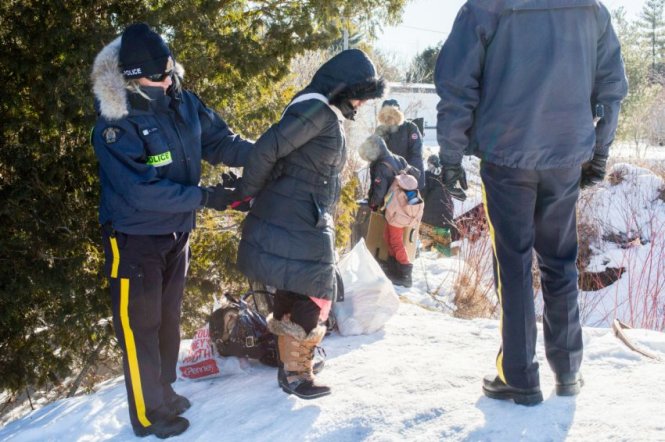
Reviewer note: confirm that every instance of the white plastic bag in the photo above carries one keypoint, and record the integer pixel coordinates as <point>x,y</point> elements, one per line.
<point>199,362</point>
<point>369,296</point>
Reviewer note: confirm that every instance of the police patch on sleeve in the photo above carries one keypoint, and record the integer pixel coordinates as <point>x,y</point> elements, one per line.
<point>112,134</point>
<point>414,136</point>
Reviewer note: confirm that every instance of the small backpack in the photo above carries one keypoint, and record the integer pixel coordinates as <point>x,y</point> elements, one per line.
<point>402,210</point>
<point>238,330</point>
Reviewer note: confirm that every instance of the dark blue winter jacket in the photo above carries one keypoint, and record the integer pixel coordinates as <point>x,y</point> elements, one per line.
<point>150,154</point>
<point>407,142</point>
<point>519,80</point>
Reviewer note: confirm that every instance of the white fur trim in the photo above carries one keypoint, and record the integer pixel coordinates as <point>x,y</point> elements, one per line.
<point>391,116</point>
<point>108,84</point>
<point>370,150</point>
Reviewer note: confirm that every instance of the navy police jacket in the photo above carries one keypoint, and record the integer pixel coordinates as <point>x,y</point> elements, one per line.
<point>519,81</point>
<point>150,152</point>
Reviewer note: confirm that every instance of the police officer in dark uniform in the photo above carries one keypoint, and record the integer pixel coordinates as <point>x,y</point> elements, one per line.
<point>520,82</point>
<point>150,138</point>
<point>402,137</point>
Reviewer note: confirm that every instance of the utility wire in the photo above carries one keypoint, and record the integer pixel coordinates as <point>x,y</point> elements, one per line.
<point>422,29</point>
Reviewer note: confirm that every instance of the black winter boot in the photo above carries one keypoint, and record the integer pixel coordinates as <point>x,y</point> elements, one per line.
<point>389,267</point>
<point>403,274</point>
<point>568,384</point>
<point>164,428</point>
<point>300,386</point>
<point>495,388</point>
<point>176,403</point>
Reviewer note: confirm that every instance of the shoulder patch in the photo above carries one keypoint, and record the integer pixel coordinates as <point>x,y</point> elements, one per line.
<point>112,134</point>
<point>414,136</point>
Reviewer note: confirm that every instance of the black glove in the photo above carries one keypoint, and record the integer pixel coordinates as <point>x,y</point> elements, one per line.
<point>593,172</point>
<point>450,176</point>
<point>230,179</point>
<point>217,197</point>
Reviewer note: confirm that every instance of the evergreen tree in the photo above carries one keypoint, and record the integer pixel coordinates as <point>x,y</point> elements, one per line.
<point>422,66</point>
<point>653,28</point>
<point>637,113</point>
<point>53,303</point>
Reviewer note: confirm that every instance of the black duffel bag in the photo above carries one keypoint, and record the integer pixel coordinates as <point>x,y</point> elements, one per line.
<point>236,329</point>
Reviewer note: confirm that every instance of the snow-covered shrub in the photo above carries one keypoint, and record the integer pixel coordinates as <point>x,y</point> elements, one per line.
<point>630,218</point>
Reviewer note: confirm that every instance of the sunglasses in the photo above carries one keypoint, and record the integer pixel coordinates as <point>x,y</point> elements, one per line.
<point>158,78</point>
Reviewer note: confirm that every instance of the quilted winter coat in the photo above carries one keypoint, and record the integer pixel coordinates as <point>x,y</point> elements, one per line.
<point>294,174</point>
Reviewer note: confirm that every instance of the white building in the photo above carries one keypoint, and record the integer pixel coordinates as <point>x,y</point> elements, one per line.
<point>417,100</point>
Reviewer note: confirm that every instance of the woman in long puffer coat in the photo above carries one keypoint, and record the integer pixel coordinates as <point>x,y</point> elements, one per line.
<point>287,241</point>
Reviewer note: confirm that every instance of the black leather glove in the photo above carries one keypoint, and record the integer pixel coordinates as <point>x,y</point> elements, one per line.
<point>593,172</point>
<point>231,180</point>
<point>451,174</point>
<point>217,197</point>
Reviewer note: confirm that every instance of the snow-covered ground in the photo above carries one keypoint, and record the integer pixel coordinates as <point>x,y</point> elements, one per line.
<point>418,380</point>
<point>627,214</point>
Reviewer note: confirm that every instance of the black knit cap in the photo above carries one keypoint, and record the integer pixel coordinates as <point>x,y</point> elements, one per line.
<point>390,102</point>
<point>142,52</point>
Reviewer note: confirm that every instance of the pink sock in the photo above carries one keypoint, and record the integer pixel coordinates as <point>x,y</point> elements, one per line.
<point>324,305</point>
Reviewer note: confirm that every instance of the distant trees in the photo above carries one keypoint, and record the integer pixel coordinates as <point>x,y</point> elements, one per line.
<point>422,66</point>
<point>53,303</point>
<point>640,114</point>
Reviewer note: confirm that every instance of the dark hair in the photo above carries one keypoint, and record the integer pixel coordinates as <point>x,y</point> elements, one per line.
<point>390,102</point>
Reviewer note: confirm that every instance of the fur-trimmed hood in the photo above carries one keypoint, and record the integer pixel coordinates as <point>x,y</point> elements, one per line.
<point>108,84</point>
<point>373,148</point>
<point>391,116</point>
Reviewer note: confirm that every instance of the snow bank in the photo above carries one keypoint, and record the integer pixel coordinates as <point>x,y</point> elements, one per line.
<point>419,379</point>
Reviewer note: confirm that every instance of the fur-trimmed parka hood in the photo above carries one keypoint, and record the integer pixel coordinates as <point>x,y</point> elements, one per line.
<point>348,75</point>
<point>108,84</point>
<point>373,148</point>
<point>391,116</point>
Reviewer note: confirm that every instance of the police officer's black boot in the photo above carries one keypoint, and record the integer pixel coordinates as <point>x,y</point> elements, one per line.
<point>568,384</point>
<point>164,426</point>
<point>178,404</point>
<point>495,388</point>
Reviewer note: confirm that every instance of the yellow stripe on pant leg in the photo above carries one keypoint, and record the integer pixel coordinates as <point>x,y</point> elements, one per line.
<point>116,257</point>
<point>499,286</point>
<point>132,360</point>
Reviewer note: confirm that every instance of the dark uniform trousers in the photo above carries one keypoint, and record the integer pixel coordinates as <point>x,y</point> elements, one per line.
<point>534,210</point>
<point>147,277</point>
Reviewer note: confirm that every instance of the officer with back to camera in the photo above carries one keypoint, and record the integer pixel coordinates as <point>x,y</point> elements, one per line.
<point>521,83</point>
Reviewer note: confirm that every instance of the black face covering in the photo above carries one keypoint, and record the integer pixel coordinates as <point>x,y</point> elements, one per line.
<point>347,109</point>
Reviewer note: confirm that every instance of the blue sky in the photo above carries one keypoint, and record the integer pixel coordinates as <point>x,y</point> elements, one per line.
<point>427,22</point>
